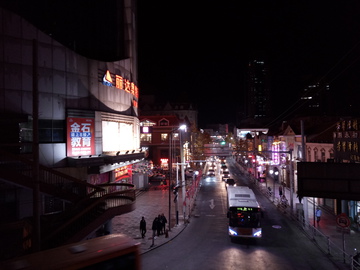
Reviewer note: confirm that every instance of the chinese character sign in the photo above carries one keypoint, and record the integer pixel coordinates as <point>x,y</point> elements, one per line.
<point>80,136</point>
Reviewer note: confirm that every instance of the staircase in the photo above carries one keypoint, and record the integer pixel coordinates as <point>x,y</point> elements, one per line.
<point>89,206</point>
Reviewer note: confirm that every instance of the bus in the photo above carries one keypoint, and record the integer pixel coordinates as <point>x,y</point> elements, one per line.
<point>244,213</point>
<point>113,251</point>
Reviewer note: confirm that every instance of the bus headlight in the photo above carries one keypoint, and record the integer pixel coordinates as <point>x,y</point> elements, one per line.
<point>257,234</point>
<point>232,232</point>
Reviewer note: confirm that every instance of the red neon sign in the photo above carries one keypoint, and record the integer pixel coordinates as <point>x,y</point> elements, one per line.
<point>121,83</point>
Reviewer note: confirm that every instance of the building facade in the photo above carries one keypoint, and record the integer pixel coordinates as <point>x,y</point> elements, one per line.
<point>257,98</point>
<point>79,114</point>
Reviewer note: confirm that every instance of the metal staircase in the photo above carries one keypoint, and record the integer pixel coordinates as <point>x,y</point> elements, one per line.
<point>88,206</point>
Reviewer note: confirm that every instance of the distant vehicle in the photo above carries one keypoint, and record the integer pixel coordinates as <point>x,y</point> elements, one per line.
<point>224,168</point>
<point>262,177</point>
<point>225,175</point>
<point>211,172</point>
<point>244,213</point>
<point>229,182</point>
<point>157,177</point>
<point>189,174</point>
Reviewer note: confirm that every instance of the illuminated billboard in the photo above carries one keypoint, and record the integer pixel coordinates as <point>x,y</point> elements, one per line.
<point>117,136</point>
<point>80,136</point>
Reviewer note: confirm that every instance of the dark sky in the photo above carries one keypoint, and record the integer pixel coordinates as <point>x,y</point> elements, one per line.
<point>200,51</point>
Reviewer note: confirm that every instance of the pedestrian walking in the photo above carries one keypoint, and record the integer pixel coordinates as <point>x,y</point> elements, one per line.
<point>280,190</point>
<point>154,229</point>
<point>284,201</point>
<point>318,215</point>
<point>143,227</point>
<point>163,223</point>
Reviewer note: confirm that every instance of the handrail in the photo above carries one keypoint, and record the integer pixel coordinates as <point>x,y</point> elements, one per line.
<point>61,181</point>
<point>92,201</point>
<point>105,201</point>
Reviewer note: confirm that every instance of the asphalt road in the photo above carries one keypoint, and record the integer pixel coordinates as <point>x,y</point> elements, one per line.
<point>205,244</point>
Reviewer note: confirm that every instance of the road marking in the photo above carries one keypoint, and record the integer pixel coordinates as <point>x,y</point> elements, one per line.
<point>212,205</point>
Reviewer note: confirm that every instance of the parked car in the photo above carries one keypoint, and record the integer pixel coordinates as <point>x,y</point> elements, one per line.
<point>158,177</point>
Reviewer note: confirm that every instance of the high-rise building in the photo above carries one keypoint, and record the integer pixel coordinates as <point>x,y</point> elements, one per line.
<point>257,100</point>
<point>315,100</point>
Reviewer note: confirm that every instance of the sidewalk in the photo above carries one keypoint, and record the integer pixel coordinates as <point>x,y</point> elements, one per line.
<point>149,204</point>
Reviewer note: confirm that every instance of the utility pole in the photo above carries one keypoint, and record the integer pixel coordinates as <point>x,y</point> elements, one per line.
<point>183,175</point>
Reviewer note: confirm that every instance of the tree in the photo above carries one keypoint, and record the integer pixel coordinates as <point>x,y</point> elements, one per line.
<point>199,139</point>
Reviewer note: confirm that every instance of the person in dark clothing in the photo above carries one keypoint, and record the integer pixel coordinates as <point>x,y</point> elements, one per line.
<point>154,229</point>
<point>143,227</point>
<point>155,226</point>
<point>163,223</point>
<point>159,225</point>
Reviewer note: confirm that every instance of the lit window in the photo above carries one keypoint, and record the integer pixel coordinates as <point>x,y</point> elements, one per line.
<point>175,136</point>
<point>164,136</point>
<point>145,137</point>
<point>147,123</point>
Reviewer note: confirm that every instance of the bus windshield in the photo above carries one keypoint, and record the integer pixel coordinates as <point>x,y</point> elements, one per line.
<point>247,217</point>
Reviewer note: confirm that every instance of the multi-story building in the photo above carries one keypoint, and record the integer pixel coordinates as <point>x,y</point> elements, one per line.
<point>315,100</point>
<point>257,99</point>
<point>161,136</point>
<point>70,124</point>
<point>183,110</point>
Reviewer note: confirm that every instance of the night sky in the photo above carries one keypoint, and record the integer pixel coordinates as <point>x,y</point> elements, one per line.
<point>199,53</point>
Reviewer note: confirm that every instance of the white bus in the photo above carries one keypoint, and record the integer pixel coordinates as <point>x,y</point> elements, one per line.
<point>244,213</point>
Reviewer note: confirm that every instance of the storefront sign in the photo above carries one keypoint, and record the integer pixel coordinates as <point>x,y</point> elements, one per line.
<point>120,83</point>
<point>80,136</point>
<point>123,174</point>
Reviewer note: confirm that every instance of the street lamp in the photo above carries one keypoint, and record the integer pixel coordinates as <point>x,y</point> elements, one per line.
<point>182,158</point>
<point>172,148</point>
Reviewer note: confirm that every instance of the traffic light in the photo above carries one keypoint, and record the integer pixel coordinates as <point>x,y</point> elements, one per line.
<point>222,143</point>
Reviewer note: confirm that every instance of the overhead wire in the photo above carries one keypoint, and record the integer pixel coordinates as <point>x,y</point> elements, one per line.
<point>285,113</point>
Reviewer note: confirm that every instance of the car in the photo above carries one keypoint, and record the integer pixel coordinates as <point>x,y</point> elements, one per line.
<point>225,175</point>
<point>158,177</point>
<point>230,182</point>
<point>224,168</point>
<point>211,173</point>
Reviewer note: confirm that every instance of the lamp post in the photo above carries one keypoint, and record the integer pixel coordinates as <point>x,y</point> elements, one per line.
<point>170,175</point>
<point>175,190</point>
<point>182,158</point>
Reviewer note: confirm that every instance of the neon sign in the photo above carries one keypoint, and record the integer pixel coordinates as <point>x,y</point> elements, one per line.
<point>107,79</point>
<point>121,83</point>
<point>275,155</point>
